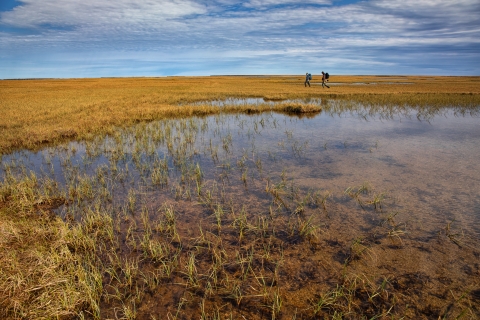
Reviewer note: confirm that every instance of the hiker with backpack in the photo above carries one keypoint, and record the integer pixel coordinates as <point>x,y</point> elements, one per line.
<point>308,77</point>
<point>325,77</point>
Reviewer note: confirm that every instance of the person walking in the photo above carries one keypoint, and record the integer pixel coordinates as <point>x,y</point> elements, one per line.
<point>308,77</point>
<point>325,79</point>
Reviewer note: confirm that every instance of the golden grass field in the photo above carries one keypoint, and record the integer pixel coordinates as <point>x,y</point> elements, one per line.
<point>102,265</point>
<point>38,112</point>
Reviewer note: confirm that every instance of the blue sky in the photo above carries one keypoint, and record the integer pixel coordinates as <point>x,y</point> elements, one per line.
<point>100,38</point>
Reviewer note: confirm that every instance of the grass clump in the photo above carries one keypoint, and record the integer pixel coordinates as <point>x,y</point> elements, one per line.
<point>44,274</point>
<point>302,108</point>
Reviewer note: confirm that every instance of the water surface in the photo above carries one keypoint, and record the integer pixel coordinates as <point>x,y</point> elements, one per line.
<point>401,183</point>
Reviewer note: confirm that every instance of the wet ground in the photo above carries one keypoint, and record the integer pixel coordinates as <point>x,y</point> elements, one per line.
<point>353,214</point>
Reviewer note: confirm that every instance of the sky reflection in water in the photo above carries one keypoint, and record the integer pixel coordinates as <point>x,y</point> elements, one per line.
<point>430,167</point>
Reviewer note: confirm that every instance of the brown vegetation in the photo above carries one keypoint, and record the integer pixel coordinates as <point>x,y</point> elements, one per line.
<point>225,244</point>
<point>40,112</point>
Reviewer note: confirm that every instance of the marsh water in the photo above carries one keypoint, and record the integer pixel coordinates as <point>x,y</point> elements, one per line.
<point>401,184</point>
<point>430,165</point>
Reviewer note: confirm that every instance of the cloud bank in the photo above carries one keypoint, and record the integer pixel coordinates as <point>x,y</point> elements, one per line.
<point>69,38</point>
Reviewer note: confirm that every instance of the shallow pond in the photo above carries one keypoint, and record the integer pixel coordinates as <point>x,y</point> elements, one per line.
<point>389,194</point>
<point>429,164</point>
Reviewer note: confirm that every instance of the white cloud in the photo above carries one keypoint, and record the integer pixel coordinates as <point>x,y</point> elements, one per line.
<point>243,30</point>
<point>186,20</point>
<point>270,3</point>
<point>36,13</point>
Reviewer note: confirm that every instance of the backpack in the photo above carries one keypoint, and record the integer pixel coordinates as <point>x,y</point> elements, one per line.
<point>309,76</point>
<point>327,76</point>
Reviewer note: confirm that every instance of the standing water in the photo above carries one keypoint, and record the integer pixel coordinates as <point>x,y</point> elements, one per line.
<point>299,206</point>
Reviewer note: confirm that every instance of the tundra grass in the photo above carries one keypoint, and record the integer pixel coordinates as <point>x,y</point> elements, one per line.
<point>47,269</point>
<point>159,221</point>
<point>42,112</point>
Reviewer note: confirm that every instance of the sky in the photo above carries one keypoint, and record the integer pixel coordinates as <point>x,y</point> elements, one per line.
<point>121,38</point>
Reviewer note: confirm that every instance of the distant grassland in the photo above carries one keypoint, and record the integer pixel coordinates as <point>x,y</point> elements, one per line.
<point>39,112</point>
